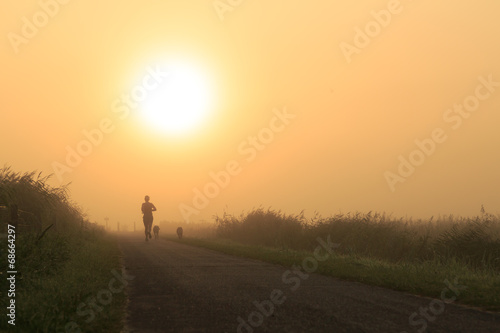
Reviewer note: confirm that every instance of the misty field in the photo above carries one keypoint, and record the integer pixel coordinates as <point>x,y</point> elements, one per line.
<point>475,242</point>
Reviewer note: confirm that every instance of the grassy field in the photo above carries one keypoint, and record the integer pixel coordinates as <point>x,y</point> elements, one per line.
<point>64,274</point>
<point>419,257</point>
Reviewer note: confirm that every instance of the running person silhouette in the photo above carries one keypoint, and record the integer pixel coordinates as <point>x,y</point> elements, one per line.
<point>147,210</point>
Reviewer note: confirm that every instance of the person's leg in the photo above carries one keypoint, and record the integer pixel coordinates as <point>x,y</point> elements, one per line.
<point>150,226</point>
<point>145,227</point>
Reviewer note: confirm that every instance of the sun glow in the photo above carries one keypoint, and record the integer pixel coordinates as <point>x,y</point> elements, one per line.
<point>180,104</point>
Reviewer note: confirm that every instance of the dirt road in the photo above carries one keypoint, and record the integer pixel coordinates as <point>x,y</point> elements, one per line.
<point>179,288</point>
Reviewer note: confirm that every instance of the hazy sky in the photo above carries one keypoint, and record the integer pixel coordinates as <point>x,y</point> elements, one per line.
<point>309,105</point>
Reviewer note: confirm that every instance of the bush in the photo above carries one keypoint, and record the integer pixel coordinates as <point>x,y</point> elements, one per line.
<point>476,242</point>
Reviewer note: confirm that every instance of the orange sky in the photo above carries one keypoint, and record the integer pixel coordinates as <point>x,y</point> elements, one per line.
<point>356,103</point>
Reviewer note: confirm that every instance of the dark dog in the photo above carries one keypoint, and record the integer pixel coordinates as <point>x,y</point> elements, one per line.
<point>156,230</point>
<point>179,232</point>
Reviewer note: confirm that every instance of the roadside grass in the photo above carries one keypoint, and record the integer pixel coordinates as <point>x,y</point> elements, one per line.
<point>478,287</point>
<point>60,272</point>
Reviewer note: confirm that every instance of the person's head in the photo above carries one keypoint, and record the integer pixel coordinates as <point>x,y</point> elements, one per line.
<point>146,198</point>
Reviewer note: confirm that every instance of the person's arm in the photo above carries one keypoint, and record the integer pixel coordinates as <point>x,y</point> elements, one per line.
<point>142,208</point>
<point>154,208</point>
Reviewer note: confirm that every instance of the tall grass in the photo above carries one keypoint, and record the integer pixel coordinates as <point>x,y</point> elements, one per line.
<point>474,242</point>
<point>58,269</point>
<point>31,193</point>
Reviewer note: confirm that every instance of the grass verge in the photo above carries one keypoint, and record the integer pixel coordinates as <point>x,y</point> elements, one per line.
<point>478,287</point>
<point>62,283</point>
<point>69,278</point>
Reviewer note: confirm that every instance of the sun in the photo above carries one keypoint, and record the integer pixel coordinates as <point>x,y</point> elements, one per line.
<point>181,103</point>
